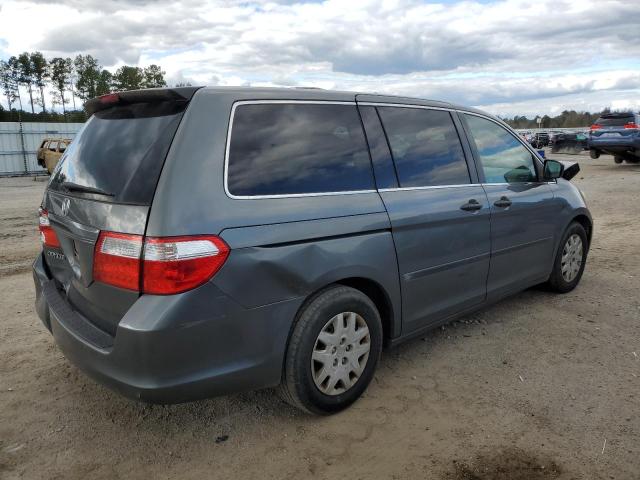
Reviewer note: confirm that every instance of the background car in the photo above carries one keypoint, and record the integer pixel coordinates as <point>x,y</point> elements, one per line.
<point>50,151</point>
<point>617,134</point>
<point>539,140</point>
<point>569,142</point>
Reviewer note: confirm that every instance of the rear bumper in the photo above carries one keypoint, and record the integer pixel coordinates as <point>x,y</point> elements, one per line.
<point>175,348</point>
<point>614,144</point>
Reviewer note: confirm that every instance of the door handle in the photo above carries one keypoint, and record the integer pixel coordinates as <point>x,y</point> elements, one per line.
<point>504,202</point>
<point>471,206</point>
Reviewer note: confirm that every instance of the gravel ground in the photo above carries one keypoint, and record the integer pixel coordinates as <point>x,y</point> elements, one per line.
<point>530,388</point>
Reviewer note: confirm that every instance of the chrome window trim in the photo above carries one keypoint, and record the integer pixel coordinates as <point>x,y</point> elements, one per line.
<point>429,187</point>
<point>461,185</point>
<point>288,195</point>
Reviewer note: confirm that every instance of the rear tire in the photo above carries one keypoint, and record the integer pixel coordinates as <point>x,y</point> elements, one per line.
<point>327,366</point>
<point>570,260</point>
<point>618,160</point>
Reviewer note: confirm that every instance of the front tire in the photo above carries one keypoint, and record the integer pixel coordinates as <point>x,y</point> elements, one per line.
<point>594,154</point>
<point>333,351</point>
<point>570,259</point>
<point>618,160</point>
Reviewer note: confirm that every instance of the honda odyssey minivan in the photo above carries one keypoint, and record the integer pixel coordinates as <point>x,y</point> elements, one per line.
<point>201,241</point>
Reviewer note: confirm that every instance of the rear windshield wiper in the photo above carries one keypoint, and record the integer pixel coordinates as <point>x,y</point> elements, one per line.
<point>74,187</point>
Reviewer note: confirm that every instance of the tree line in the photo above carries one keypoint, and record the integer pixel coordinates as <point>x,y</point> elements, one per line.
<point>567,119</point>
<point>67,79</point>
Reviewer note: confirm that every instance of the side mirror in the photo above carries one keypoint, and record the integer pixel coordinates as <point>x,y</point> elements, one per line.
<point>552,169</point>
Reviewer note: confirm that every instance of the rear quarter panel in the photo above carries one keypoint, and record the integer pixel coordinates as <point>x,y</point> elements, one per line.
<point>281,248</point>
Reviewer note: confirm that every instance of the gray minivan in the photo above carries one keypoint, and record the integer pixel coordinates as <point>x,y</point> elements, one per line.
<point>201,241</point>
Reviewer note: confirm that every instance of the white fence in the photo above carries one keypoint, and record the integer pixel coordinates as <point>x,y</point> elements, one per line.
<point>19,143</point>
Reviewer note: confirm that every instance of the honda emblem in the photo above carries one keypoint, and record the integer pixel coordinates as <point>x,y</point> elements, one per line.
<point>64,207</point>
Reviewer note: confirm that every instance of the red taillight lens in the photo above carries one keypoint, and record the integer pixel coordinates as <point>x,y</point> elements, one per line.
<point>631,125</point>
<point>162,266</point>
<point>595,126</point>
<point>116,260</point>
<point>47,234</point>
<point>109,98</point>
<point>176,264</point>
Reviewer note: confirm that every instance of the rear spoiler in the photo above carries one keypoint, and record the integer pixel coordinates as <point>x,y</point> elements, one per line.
<point>149,95</point>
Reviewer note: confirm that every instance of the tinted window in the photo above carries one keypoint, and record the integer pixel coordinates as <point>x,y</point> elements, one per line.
<point>380,155</point>
<point>120,151</point>
<point>503,157</point>
<point>616,120</point>
<point>283,149</point>
<point>425,147</point>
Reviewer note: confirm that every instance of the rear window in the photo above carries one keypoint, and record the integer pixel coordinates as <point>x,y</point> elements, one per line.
<point>425,146</point>
<point>296,148</point>
<point>119,153</point>
<point>615,120</point>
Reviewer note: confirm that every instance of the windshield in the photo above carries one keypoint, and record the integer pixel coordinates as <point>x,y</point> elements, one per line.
<point>119,153</point>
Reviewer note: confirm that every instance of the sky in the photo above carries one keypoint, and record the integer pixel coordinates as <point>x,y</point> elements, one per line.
<point>507,57</point>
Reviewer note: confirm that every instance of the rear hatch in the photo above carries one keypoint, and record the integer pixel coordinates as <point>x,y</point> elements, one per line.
<point>105,181</point>
<point>614,126</point>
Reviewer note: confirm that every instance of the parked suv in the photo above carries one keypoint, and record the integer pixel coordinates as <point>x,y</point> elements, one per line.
<point>617,134</point>
<point>539,140</point>
<point>200,241</point>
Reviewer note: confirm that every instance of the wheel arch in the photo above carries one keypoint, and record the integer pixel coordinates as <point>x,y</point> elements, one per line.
<point>369,287</point>
<point>586,223</point>
<point>379,297</point>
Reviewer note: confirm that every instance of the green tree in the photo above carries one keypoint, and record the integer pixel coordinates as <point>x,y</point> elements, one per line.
<point>105,80</point>
<point>60,74</point>
<point>8,83</point>
<point>73,76</point>
<point>41,74</point>
<point>154,77</point>
<point>15,72</point>
<point>88,72</point>
<point>128,78</point>
<point>26,74</point>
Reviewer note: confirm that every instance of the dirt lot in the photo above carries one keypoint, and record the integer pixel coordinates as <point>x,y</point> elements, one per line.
<point>530,388</point>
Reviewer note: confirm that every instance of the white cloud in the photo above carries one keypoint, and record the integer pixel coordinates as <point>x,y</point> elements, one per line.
<point>544,54</point>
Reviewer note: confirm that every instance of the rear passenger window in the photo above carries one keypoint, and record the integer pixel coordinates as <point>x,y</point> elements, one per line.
<point>503,157</point>
<point>425,147</point>
<point>296,148</point>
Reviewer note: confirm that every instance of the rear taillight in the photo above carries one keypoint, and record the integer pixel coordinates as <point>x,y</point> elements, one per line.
<point>161,266</point>
<point>595,126</point>
<point>176,264</point>
<point>47,234</point>
<point>116,260</point>
<point>109,98</point>
<point>631,125</point>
